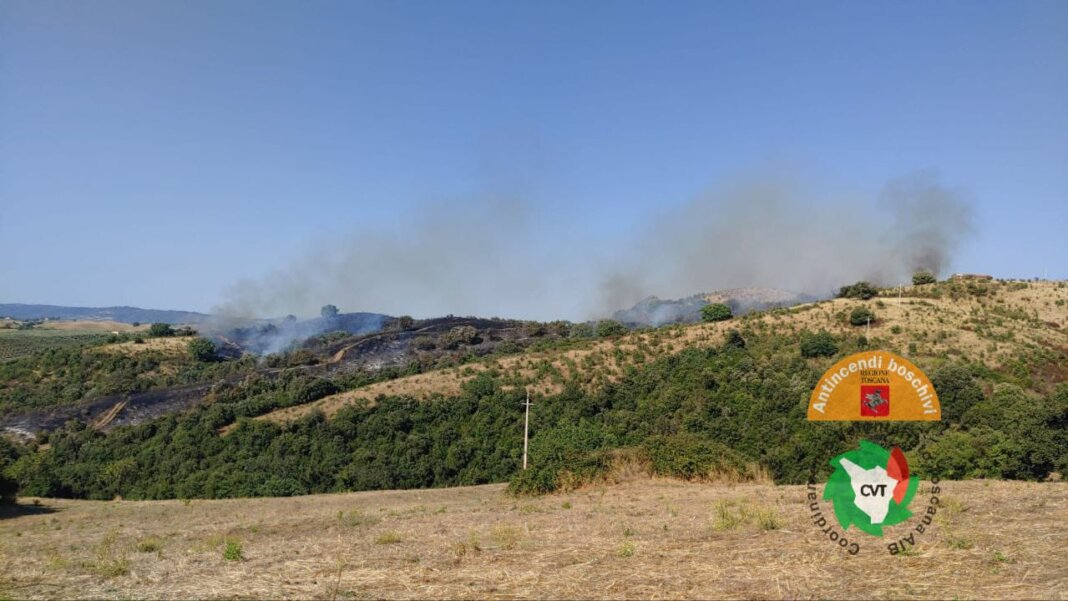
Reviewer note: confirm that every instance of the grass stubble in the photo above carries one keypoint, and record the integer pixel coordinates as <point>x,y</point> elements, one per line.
<point>648,538</point>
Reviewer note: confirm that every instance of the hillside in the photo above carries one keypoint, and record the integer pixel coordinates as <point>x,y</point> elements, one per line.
<point>138,378</point>
<point>640,539</point>
<point>1009,326</point>
<point>438,403</point>
<point>653,311</point>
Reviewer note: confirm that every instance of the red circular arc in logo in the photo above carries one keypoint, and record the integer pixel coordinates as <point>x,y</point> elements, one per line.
<point>898,469</point>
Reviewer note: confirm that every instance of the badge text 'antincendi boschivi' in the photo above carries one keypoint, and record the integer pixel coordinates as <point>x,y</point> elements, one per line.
<point>874,386</point>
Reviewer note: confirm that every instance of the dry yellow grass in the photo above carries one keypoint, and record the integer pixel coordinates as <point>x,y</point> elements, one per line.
<point>92,325</point>
<point>169,346</point>
<point>641,539</point>
<point>1012,320</point>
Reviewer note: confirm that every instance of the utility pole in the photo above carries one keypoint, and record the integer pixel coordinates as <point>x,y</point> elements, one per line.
<point>867,328</point>
<point>526,429</point>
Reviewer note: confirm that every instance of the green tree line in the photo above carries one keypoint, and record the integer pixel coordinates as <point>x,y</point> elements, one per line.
<point>719,408</point>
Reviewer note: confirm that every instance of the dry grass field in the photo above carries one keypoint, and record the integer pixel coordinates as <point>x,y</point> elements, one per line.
<point>638,539</point>
<point>168,346</point>
<point>92,325</point>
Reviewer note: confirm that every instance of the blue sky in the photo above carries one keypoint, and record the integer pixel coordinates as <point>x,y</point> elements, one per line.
<point>154,154</point>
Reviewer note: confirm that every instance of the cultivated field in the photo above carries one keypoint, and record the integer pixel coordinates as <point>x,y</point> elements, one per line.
<point>21,343</point>
<point>639,539</point>
<point>56,334</point>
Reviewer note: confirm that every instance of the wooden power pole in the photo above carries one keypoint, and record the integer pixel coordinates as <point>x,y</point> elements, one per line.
<point>526,429</point>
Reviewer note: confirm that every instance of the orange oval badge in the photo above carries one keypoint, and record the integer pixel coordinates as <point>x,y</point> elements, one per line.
<point>874,386</point>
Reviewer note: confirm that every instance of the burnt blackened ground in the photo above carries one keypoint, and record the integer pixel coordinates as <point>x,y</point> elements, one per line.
<point>423,344</point>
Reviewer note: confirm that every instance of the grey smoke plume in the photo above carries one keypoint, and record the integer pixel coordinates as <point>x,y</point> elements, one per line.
<point>489,257</point>
<point>930,221</point>
<point>502,258</point>
<point>773,233</point>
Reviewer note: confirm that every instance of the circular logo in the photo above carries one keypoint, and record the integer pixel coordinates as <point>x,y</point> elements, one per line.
<point>871,488</point>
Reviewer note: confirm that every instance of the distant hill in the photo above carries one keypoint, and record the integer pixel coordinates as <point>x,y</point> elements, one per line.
<point>653,311</point>
<point>120,314</point>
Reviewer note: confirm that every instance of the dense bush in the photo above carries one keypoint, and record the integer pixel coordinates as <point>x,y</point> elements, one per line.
<point>316,390</point>
<point>861,290</point>
<point>716,312</point>
<point>860,316</point>
<point>923,277</point>
<point>460,335</point>
<point>160,330</point>
<point>581,330</point>
<point>64,376</point>
<point>690,456</point>
<point>820,344</point>
<point>607,328</point>
<point>8,485</point>
<point>735,339</point>
<point>201,349</point>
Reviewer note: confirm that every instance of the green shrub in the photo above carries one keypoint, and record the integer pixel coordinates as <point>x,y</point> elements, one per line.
<point>160,330</point>
<point>9,486</point>
<point>957,390</point>
<point>716,312</point>
<point>233,551</point>
<point>734,340</point>
<point>201,349</point>
<point>691,457</point>
<point>607,328</point>
<point>861,316</point>
<point>581,330</point>
<point>460,335</point>
<point>562,457</point>
<point>861,290</point>
<point>923,277</point>
<point>820,344</point>
<point>316,390</point>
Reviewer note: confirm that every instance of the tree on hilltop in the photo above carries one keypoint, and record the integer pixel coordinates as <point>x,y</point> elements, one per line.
<point>923,277</point>
<point>861,290</point>
<point>607,328</point>
<point>160,330</point>
<point>716,312</point>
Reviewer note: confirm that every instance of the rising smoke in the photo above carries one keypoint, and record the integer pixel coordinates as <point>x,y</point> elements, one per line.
<point>774,233</point>
<point>500,257</point>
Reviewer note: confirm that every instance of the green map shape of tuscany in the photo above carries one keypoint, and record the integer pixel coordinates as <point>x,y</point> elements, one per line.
<point>839,490</point>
